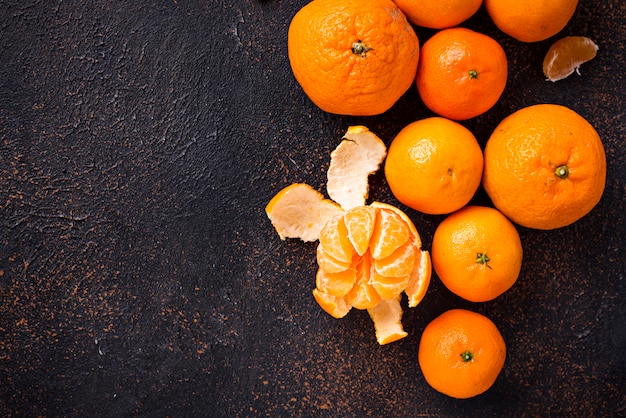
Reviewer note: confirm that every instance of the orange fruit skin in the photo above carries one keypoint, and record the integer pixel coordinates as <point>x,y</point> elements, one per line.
<point>523,156</point>
<point>462,73</point>
<point>438,14</point>
<point>321,38</point>
<point>477,253</point>
<point>434,165</point>
<point>531,20</point>
<point>444,343</point>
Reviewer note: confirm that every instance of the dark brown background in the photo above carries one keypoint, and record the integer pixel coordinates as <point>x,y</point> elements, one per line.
<point>139,276</point>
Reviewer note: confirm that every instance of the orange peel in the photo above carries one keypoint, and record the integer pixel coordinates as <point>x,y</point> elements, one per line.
<point>359,154</point>
<point>387,318</point>
<point>300,211</point>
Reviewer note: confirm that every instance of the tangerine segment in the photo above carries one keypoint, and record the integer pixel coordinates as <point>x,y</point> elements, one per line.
<point>390,233</point>
<point>400,263</point>
<point>387,318</point>
<point>419,279</point>
<point>334,306</point>
<point>336,284</point>
<point>461,353</point>
<point>299,211</point>
<point>357,156</point>
<point>388,287</point>
<point>363,295</point>
<point>360,223</point>
<point>414,234</point>
<point>329,263</point>
<point>334,240</point>
<point>566,56</point>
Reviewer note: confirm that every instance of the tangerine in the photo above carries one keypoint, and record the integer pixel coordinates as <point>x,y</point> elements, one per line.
<point>545,166</point>
<point>354,57</point>
<point>438,14</point>
<point>368,254</point>
<point>477,253</point>
<point>434,165</point>
<point>461,353</point>
<point>462,73</point>
<point>531,20</point>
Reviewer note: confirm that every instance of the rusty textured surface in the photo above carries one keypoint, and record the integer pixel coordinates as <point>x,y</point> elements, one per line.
<point>139,275</point>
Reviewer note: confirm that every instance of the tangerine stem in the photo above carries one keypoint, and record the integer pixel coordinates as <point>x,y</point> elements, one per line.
<point>473,74</point>
<point>562,171</point>
<point>467,356</point>
<point>483,259</point>
<point>359,48</point>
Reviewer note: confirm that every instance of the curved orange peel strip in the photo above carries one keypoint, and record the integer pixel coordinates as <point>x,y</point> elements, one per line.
<point>387,318</point>
<point>359,154</point>
<point>299,211</point>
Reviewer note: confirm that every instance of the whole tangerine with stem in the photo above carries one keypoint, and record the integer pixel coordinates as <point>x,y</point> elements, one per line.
<point>545,166</point>
<point>461,353</point>
<point>353,57</point>
<point>462,73</point>
<point>477,253</point>
<point>434,165</point>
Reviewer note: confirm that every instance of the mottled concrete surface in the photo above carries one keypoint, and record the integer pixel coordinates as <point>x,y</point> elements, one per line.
<point>139,275</point>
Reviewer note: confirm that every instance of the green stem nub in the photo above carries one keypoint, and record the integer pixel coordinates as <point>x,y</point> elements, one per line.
<point>473,74</point>
<point>483,259</point>
<point>359,48</point>
<point>561,172</point>
<point>467,356</point>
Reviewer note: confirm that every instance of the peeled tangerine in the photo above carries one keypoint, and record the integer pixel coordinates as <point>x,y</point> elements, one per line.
<point>367,254</point>
<point>566,55</point>
<point>367,257</point>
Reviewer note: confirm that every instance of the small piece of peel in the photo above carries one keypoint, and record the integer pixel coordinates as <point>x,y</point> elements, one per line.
<point>387,318</point>
<point>359,154</point>
<point>300,211</point>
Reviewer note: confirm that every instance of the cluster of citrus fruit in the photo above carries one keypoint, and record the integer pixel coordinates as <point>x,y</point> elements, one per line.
<point>543,167</point>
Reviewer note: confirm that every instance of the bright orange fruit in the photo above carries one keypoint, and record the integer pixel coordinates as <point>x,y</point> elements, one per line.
<point>353,57</point>
<point>545,167</point>
<point>434,165</point>
<point>461,353</point>
<point>477,253</point>
<point>461,74</point>
<point>531,20</point>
